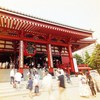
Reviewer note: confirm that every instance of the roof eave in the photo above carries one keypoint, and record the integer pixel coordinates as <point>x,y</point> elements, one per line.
<point>44,21</point>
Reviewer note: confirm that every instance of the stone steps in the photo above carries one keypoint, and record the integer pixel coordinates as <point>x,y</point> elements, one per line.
<point>13,93</point>
<point>6,89</point>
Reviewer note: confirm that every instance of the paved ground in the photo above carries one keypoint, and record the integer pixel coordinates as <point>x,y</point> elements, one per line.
<point>70,93</point>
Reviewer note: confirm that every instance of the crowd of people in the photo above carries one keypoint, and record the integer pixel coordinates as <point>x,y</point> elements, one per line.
<point>86,82</point>
<point>33,79</point>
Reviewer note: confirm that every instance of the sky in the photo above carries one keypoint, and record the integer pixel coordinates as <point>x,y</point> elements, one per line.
<point>83,14</point>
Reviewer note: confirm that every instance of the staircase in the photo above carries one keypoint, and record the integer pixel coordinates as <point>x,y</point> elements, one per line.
<point>6,89</point>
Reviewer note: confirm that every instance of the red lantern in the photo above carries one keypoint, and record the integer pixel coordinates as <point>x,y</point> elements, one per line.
<point>29,49</point>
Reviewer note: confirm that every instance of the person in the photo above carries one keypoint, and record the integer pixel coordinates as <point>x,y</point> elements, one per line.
<point>18,76</point>
<point>29,74</point>
<point>12,73</point>
<point>6,64</point>
<point>30,86</point>
<point>3,65</point>
<point>91,84</point>
<point>61,84</point>
<point>36,83</point>
<point>34,70</point>
<point>56,74</point>
<point>47,83</point>
<point>83,86</point>
<point>68,78</point>
<point>97,86</point>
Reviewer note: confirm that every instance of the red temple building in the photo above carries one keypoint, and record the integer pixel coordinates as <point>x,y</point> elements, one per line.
<point>25,39</point>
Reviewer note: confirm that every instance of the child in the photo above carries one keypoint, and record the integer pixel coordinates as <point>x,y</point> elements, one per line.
<point>30,86</point>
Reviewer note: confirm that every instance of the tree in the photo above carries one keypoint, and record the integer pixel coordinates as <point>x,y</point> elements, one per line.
<point>87,58</point>
<point>95,58</point>
<point>79,59</point>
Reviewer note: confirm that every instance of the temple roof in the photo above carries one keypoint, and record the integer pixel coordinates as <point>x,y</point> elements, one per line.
<point>42,20</point>
<point>12,23</point>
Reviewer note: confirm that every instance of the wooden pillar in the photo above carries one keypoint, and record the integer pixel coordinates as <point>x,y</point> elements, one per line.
<point>49,54</point>
<point>70,58</point>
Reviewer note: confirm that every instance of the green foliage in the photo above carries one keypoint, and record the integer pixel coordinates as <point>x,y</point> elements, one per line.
<point>78,59</point>
<point>87,58</point>
<point>92,61</point>
<point>95,58</point>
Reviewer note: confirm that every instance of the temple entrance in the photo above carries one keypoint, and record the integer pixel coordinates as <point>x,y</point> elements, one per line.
<point>40,60</point>
<point>36,61</point>
<point>57,61</point>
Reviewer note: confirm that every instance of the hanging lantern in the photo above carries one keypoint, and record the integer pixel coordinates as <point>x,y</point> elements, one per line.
<point>29,49</point>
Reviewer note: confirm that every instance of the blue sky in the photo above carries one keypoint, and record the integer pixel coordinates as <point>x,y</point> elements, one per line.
<point>77,13</point>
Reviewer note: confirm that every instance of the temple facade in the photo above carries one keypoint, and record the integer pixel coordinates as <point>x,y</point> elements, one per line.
<point>28,41</point>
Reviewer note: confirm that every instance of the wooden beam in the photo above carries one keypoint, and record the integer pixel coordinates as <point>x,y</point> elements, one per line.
<point>6,37</point>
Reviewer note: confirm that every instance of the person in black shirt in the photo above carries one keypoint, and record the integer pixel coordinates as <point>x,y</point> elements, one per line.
<point>61,84</point>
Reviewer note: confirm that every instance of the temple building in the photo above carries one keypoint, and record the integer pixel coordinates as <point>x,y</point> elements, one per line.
<point>28,41</point>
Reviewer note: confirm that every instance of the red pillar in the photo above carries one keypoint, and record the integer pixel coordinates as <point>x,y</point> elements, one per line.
<point>71,58</point>
<point>49,54</point>
<point>21,48</point>
<point>21,52</point>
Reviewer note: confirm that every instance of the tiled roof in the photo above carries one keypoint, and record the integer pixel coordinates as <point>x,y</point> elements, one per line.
<point>44,20</point>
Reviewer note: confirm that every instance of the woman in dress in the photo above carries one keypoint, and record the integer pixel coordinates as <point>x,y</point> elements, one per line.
<point>83,85</point>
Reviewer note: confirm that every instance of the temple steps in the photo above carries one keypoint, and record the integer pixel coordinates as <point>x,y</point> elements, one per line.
<point>6,89</point>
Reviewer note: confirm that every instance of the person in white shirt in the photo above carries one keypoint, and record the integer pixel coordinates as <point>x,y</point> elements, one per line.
<point>12,73</point>
<point>18,76</point>
<point>62,71</point>
<point>47,82</point>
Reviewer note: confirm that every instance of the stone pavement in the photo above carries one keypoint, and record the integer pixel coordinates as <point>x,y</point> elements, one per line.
<point>70,93</point>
